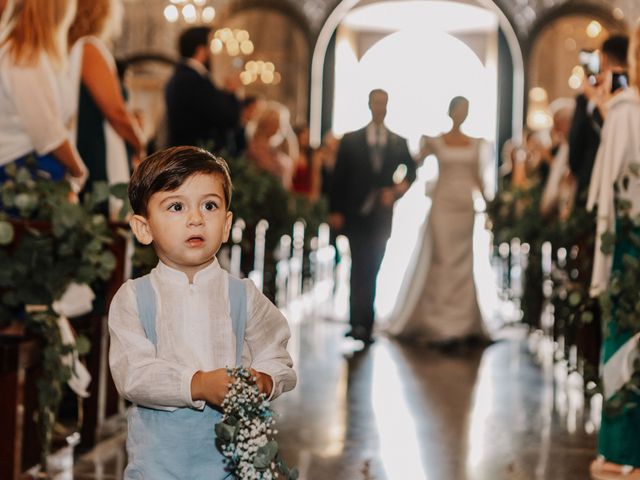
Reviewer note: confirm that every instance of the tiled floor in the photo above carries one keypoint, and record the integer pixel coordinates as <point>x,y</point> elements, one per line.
<point>401,412</point>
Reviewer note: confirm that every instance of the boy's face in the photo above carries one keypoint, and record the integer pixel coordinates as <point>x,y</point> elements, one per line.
<point>187,225</point>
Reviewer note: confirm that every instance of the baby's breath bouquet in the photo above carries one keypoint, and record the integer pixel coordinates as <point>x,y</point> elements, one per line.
<point>245,433</point>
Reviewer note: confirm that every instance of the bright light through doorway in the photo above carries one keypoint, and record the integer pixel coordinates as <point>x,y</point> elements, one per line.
<point>422,71</point>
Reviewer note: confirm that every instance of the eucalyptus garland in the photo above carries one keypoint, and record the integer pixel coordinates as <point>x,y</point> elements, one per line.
<point>47,242</point>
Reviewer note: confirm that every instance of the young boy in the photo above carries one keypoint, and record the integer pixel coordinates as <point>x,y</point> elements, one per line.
<point>174,331</point>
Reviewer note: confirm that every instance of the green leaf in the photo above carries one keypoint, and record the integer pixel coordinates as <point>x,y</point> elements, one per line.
<point>83,345</point>
<point>225,433</point>
<point>574,299</point>
<point>586,317</point>
<point>23,175</point>
<point>608,242</point>
<point>120,190</point>
<point>8,196</point>
<point>265,455</point>
<point>26,201</point>
<point>108,261</point>
<point>100,192</point>
<point>11,170</point>
<point>6,233</point>
<point>65,217</point>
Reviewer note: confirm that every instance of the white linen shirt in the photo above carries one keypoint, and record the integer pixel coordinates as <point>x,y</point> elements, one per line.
<point>36,107</point>
<point>194,332</point>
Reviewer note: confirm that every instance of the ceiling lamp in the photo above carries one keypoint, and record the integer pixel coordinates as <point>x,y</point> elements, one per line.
<point>259,70</point>
<point>233,42</point>
<point>190,11</point>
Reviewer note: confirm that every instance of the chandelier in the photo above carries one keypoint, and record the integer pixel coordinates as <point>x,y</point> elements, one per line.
<point>260,70</point>
<point>233,42</point>
<point>191,11</point>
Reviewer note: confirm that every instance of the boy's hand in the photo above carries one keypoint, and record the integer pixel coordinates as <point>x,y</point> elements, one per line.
<point>264,382</point>
<point>210,386</point>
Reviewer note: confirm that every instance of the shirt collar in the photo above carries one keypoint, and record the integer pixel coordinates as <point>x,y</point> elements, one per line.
<point>171,275</point>
<point>371,134</point>
<point>197,66</point>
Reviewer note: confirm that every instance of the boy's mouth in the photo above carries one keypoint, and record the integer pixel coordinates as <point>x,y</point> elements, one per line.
<point>195,241</point>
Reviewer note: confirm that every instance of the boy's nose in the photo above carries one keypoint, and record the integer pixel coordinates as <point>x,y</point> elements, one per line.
<point>195,218</point>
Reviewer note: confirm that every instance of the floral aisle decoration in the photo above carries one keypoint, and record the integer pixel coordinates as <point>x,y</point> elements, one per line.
<point>47,243</point>
<point>574,308</point>
<point>245,435</point>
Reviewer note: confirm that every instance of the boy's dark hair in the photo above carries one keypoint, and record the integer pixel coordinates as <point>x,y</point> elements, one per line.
<point>167,169</point>
<point>191,39</point>
<point>616,48</point>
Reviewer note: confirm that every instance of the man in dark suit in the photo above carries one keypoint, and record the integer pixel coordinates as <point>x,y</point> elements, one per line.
<point>366,183</point>
<point>198,112</point>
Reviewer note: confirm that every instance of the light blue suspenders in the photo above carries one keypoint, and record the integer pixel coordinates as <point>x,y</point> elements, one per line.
<point>180,444</point>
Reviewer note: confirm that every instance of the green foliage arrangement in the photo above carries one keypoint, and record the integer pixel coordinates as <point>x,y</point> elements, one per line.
<point>46,243</point>
<point>245,435</point>
<point>514,213</point>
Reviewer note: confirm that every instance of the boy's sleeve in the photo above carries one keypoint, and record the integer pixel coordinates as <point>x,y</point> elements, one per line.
<point>139,375</point>
<point>267,333</point>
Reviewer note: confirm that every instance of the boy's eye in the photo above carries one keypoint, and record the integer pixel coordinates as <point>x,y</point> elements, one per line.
<point>210,206</point>
<point>175,207</point>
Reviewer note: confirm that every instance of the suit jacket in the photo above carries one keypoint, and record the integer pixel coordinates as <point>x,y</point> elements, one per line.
<point>198,112</point>
<point>354,180</point>
<point>584,139</point>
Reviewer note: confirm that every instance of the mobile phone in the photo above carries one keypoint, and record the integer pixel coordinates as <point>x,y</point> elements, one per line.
<point>590,61</point>
<point>619,80</point>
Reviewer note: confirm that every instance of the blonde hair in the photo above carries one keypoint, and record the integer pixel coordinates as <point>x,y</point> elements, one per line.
<point>634,57</point>
<point>36,29</point>
<point>92,17</point>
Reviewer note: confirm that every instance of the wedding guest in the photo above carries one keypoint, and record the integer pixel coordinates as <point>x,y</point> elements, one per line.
<point>558,180</point>
<point>306,176</point>
<point>615,183</point>
<point>170,361</point>
<point>105,128</point>
<point>262,149</point>
<point>249,109</point>
<point>198,112</point>
<point>35,99</point>
<point>327,153</point>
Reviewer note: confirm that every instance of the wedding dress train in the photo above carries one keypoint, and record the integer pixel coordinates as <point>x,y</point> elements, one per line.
<point>439,298</point>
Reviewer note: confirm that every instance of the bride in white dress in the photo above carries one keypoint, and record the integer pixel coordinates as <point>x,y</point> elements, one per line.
<point>446,309</point>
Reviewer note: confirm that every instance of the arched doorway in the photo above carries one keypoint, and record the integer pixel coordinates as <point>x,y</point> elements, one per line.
<point>423,53</point>
<point>510,65</point>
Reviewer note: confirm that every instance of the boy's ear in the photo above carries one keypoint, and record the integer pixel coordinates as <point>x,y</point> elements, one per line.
<point>140,227</point>
<point>227,227</point>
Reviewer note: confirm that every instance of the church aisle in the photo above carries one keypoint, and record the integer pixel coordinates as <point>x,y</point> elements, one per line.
<point>405,413</point>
